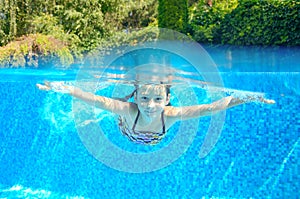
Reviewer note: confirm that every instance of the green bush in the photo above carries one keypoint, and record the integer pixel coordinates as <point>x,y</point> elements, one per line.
<point>247,22</point>
<point>261,22</point>
<point>173,15</point>
<point>205,20</point>
<point>35,50</point>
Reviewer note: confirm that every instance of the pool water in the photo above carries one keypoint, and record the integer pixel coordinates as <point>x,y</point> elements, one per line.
<point>256,156</point>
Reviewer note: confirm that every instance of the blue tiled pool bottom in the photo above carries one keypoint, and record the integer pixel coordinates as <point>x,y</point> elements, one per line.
<point>257,154</point>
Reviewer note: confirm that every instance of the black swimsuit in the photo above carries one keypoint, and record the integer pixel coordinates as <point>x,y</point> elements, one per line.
<point>142,137</point>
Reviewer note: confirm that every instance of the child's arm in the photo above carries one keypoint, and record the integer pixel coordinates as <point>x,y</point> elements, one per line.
<point>105,103</point>
<point>195,111</point>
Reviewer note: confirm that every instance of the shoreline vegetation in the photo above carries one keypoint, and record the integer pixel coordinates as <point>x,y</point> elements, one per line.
<point>38,34</point>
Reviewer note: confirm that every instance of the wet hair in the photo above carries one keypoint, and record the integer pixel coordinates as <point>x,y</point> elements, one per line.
<point>128,97</point>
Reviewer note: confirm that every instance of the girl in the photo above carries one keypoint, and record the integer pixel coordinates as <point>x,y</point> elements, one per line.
<point>147,119</point>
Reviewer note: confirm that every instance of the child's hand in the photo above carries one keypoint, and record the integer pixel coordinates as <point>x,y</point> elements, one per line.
<point>267,101</point>
<point>59,87</point>
<point>43,87</point>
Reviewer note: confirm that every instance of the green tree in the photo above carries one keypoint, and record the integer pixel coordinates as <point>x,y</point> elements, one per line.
<point>140,14</point>
<point>8,20</point>
<point>278,24</point>
<point>77,24</point>
<point>173,14</point>
<point>206,20</point>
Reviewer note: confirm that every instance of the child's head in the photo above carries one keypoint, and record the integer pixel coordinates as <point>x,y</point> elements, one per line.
<point>152,99</point>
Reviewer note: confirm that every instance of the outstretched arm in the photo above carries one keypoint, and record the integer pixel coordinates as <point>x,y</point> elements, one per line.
<point>105,103</point>
<point>190,112</point>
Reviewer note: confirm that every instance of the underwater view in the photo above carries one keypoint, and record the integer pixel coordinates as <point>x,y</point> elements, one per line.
<point>56,146</point>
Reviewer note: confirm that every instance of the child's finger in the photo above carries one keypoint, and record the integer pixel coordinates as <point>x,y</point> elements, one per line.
<point>43,87</point>
<point>269,101</point>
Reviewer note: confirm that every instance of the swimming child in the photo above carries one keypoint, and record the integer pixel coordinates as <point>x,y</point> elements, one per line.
<point>147,119</point>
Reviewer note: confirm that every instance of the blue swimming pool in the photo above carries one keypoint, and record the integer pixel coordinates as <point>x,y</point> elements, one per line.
<point>256,156</point>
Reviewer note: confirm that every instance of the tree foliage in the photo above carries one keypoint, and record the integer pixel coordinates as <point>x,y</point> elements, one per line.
<point>141,14</point>
<point>247,22</point>
<point>35,50</point>
<point>205,20</point>
<point>173,14</point>
<point>79,24</point>
<point>256,22</point>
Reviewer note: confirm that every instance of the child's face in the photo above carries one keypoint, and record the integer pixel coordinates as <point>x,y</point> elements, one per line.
<point>151,100</point>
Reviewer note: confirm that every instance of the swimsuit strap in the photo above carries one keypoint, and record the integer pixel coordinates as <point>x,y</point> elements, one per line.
<point>162,121</point>
<point>136,119</point>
